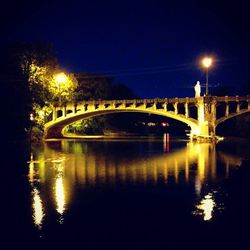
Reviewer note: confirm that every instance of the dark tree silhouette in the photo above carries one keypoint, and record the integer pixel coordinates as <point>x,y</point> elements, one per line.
<point>16,97</point>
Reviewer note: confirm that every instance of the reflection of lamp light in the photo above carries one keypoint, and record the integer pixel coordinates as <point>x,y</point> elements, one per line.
<point>38,213</point>
<point>207,205</point>
<point>207,62</point>
<point>60,197</point>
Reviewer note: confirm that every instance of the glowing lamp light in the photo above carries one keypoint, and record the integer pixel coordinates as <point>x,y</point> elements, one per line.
<point>61,78</point>
<point>207,62</point>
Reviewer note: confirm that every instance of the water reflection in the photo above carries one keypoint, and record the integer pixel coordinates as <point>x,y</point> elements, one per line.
<point>37,205</point>
<point>59,195</point>
<point>206,207</point>
<point>57,169</point>
<point>38,213</point>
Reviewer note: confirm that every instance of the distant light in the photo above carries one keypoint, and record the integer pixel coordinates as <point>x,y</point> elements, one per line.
<point>207,62</point>
<point>164,124</point>
<point>151,124</point>
<point>31,117</point>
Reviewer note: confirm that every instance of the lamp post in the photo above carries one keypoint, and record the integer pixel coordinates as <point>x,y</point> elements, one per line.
<point>207,62</point>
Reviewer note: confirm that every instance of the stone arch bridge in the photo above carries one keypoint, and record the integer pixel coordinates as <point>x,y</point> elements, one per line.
<point>202,125</point>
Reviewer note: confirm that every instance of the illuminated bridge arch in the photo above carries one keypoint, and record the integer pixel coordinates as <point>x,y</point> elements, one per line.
<point>63,116</point>
<point>229,116</point>
<point>202,126</point>
<point>241,106</point>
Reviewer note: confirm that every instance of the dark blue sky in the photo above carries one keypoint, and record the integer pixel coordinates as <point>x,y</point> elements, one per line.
<point>151,46</point>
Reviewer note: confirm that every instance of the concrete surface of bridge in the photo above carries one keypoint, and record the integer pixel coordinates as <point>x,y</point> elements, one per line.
<point>202,125</point>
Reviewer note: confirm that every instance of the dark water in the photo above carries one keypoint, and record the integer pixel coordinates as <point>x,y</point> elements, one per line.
<point>127,194</point>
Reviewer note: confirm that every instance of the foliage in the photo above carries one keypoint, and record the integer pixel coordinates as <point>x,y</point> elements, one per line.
<point>28,72</point>
<point>121,92</point>
<point>87,126</point>
<point>37,83</point>
<point>39,78</point>
<point>92,87</point>
<point>15,95</point>
<point>62,87</point>
<point>40,114</point>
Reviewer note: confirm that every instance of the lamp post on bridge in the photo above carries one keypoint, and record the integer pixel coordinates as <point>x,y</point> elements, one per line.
<point>207,62</point>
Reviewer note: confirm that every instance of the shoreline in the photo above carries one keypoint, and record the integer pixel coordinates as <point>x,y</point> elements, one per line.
<point>117,137</point>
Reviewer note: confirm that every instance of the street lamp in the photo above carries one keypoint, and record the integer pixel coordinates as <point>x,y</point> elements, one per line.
<point>60,80</point>
<point>207,62</point>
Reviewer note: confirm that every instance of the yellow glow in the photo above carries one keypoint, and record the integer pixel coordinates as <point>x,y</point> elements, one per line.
<point>194,131</point>
<point>41,114</point>
<point>62,86</point>
<point>207,205</point>
<point>31,172</point>
<point>201,111</point>
<point>207,62</point>
<point>61,78</point>
<point>88,169</point>
<point>38,213</point>
<point>60,196</point>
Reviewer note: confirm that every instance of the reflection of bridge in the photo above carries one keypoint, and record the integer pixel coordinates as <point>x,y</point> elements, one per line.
<point>61,166</point>
<point>200,114</point>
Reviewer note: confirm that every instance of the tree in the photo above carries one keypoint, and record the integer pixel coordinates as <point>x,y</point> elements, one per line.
<point>15,95</point>
<point>92,87</point>
<point>120,92</point>
<point>95,87</point>
<point>27,71</point>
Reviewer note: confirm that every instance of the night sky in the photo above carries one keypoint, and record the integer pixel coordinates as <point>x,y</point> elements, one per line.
<point>154,47</point>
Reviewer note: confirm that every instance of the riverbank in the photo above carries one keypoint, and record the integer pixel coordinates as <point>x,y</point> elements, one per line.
<point>119,137</point>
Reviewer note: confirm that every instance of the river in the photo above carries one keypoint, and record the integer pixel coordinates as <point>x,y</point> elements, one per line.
<point>127,194</point>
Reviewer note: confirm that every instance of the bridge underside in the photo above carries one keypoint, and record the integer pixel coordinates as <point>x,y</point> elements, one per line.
<point>56,129</point>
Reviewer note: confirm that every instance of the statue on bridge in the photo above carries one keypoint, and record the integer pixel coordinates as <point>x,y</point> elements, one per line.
<point>197,89</point>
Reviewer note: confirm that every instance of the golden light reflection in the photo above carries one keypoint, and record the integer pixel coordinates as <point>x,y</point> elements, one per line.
<point>90,169</point>
<point>57,167</point>
<point>59,190</point>
<point>38,211</point>
<point>206,206</point>
<point>59,194</point>
<point>31,172</point>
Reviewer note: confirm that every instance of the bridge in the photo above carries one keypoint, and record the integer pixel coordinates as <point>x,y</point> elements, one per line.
<point>199,113</point>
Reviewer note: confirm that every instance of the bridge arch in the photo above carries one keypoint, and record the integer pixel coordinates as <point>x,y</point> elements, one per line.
<point>204,126</point>
<point>56,128</point>
<point>225,118</point>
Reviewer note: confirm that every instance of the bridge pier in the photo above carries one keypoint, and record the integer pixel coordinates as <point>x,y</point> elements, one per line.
<point>205,130</point>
